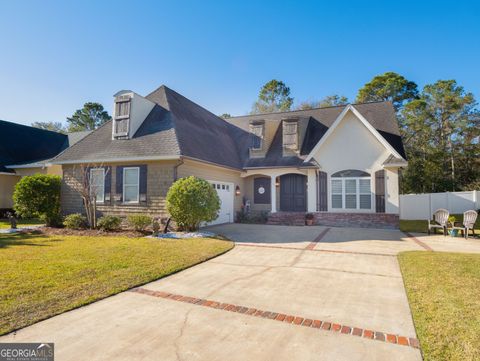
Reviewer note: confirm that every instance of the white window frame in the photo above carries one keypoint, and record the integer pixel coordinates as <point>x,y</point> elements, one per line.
<point>138,185</point>
<point>93,170</point>
<point>357,180</point>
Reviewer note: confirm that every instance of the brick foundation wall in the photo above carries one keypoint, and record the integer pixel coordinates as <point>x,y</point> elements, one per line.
<point>364,220</point>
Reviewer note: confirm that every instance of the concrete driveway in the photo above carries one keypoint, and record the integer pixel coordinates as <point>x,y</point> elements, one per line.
<point>283,293</point>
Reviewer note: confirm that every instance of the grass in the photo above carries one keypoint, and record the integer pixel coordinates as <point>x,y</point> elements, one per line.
<point>420,226</point>
<point>444,294</point>
<point>41,276</point>
<point>5,223</point>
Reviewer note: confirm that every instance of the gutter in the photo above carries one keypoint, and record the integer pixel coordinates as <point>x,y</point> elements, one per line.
<point>175,169</point>
<point>117,160</point>
<point>32,165</point>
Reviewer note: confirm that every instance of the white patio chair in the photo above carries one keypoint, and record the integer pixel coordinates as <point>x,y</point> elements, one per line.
<point>469,218</point>
<point>440,220</point>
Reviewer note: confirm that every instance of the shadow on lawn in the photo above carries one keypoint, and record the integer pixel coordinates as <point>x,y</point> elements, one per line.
<point>22,239</point>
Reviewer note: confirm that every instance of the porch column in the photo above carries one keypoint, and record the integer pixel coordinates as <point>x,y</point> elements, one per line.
<point>273,193</point>
<point>311,191</point>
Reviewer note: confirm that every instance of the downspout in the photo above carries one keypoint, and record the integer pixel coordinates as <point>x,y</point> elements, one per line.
<point>175,169</point>
<point>175,177</point>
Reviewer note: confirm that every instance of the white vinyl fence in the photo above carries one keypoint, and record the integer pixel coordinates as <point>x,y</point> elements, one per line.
<point>421,206</point>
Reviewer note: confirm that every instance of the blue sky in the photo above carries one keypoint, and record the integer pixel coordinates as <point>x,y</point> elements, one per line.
<point>57,55</point>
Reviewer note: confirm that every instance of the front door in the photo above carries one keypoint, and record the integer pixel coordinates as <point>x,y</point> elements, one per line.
<point>293,197</point>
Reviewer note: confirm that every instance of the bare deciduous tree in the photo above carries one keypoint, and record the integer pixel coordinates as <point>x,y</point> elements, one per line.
<point>88,191</point>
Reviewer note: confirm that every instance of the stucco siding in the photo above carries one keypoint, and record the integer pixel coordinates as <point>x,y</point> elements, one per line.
<point>214,173</point>
<point>353,146</point>
<point>7,186</point>
<point>392,198</point>
<point>53,169</point>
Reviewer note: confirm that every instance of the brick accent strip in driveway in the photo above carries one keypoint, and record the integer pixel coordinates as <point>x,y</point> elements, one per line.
<point>314,249</point>
<point>295,320</point>
<point>322,234</point>
<point>417,241</point>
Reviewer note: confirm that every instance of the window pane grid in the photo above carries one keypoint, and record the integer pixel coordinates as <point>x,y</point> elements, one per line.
<point>131,185</point>
<point>97,184</point>
<point>351,193</point>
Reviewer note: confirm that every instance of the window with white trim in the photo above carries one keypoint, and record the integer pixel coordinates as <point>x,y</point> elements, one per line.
<point>351,190</point>
<point>97,184</point>
<point>131,184</point>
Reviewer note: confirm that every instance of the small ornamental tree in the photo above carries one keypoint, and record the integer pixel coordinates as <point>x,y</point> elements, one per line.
<point>38,196</point>
<point>191,201</point>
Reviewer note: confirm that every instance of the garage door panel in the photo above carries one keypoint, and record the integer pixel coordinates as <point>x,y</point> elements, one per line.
<point>225,192</point>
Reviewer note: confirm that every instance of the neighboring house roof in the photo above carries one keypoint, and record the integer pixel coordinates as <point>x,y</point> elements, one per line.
<point>21,144</point>
<point>176,127</point>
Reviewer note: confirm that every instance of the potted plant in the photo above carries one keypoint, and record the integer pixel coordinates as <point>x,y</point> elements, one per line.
<point>451,221</point>
<point>309,219</point>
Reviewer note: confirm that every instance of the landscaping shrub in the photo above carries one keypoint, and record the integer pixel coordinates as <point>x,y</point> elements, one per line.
<point>139,222</point>
<point>75,221</point>
<point>191,201</point>
<point>109,223</point>
<point>39,196</point>
<point>260,217</point>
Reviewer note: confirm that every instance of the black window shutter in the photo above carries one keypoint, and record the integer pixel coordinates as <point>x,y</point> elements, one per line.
<point>380,191</point>
<point>143,183</point>
<point>108,184</point>
<point>261,197</point>
<point>322,192</point>
<point>119,183</point>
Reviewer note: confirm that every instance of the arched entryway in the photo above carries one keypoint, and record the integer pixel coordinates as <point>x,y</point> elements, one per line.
<point>293,193</point>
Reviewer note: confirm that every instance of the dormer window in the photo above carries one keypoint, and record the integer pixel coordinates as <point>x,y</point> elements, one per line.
<point>257,131</point>
<point>290,135</point>
<point>122,116</point>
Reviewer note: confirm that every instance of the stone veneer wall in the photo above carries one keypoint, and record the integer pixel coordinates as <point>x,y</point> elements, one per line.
<point>159,179</point>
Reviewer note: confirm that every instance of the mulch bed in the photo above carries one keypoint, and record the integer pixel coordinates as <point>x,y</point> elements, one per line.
<point>88,232</point>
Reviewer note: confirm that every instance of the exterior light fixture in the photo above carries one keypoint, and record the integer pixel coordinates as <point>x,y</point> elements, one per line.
<point>237,190</point>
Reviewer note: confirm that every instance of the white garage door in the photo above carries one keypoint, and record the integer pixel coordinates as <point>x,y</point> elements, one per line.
<point>225,192</point>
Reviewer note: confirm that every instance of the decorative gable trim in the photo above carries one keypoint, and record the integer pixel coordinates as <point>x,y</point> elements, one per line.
<point>365,122</point>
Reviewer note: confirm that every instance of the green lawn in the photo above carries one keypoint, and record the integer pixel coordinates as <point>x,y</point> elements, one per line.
<point>420,226</point>
<point>5,224</point>
<point>444,294</point>
<point>41,276</point>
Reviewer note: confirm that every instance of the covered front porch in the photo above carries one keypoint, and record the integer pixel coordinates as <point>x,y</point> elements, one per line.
<point>281,190</point>
<point>288,194</point>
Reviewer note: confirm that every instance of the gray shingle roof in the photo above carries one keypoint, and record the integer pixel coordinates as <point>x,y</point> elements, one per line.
<point>155,137</point>
<point>380,114</point>
<point>176,126</point>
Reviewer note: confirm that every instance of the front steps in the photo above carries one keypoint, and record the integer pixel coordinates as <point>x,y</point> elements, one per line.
<point>287,218</point>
